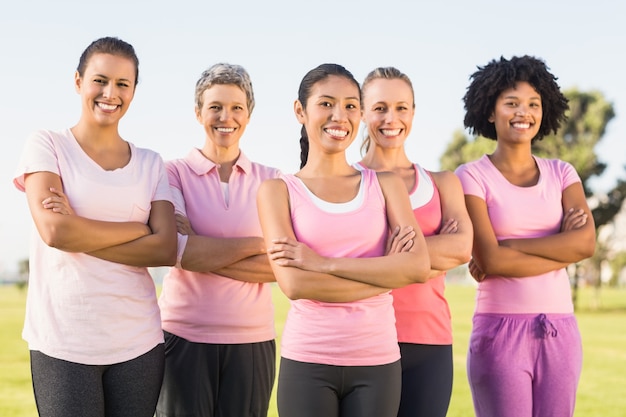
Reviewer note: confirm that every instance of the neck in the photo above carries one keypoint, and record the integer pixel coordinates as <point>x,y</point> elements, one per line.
<point>386,159</point>
<point>96,136</point>
<point>512,156</point>
<point>326,165</point>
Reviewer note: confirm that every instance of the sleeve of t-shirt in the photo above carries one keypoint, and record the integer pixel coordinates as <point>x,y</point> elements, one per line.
<point>179,207</point>
<point>568,174</point>
<point>470,181</point>
<point>38,155</point>
<point>163,190</point>
<point>176,187</point>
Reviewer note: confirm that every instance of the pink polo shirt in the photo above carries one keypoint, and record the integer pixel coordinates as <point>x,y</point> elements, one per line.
<point>210,308</point>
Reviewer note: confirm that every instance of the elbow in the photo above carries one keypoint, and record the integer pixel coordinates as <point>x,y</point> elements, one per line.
<point>421,272</point>
<point>54,236</point>
<point>290,291</point>
<point>168,255</point>
<point>589,250</point>
<point>165,252</point>
<point>465,256</point>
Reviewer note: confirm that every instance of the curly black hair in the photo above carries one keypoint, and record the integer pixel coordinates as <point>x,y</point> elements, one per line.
<point>498,75</point>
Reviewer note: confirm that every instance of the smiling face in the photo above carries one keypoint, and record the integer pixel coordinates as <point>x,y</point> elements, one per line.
<point>224,115</point>
<point>332,113</point>
<point>106,88</point>
<point>388,111</point>
<point>517,114</point>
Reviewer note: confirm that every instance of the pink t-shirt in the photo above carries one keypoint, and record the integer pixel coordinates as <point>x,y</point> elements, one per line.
<point>360,333</point>
<point>210,308</point>
<point>80,308</point>
<point>522,212</point>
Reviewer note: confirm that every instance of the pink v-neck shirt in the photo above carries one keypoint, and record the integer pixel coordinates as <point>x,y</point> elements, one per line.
<point>80,308</point>
<point>516,213</point>
<point>210,308</point>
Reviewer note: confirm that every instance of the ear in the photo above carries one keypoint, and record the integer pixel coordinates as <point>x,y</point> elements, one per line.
<point>492,117</point>
<point>299,111</point>
<point>77,82</point>
<point>198,113</point>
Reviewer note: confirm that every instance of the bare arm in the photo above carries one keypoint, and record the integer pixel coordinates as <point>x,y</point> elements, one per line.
<point>72,233</point>
<point>252,269</point>
<point>296,283</point>
<point>575,242</point>
<point>241,259</point>
<point>493,259</point>
<point>453,245</point>
<point>395,270</point>
<point>155,249</point>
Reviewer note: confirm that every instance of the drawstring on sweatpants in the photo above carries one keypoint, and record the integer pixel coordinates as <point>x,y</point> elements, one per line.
<point>547,326</point>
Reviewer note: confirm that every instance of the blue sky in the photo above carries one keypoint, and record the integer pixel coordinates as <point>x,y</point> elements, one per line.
<point>438,44</point>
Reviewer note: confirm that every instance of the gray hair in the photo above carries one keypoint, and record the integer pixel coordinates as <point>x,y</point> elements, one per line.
<point>223,73</point>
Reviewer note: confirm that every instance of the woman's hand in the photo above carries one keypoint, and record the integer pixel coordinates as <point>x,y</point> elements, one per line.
<point>183,226</point>
<point>289,252</point>
<point>400,240</point>
<point>475,271</point>
<point>58,203</point>
<point>449,227</point>
<point>573,219</point>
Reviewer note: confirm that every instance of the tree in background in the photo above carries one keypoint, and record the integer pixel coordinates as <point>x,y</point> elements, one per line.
<point>588,117</point>
<point>23,268</point>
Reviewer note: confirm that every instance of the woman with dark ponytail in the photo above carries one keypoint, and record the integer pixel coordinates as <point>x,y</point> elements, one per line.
<point>327,229</point>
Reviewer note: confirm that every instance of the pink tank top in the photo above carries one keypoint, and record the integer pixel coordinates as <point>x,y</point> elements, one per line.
<point>360,333</point>
<point>422,312</point>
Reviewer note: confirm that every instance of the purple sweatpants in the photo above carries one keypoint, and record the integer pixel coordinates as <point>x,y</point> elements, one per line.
<point>524,365</point>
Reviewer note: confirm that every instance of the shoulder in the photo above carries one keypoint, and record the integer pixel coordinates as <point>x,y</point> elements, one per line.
<point>556,165</point>
<point>473,168</point>
<point>390,183</point>
<point>46,136</point>
<point>145,154</point>
<point>264,171</point>
<point>443,177</point>
<point>273,188</point>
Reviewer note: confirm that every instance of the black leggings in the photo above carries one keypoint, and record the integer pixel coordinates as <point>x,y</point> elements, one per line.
<point>426,380</point>
<point>126,389</point>
<point>314,390</point>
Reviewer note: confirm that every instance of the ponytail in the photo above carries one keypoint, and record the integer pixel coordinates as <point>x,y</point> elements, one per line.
<point>304,147</point>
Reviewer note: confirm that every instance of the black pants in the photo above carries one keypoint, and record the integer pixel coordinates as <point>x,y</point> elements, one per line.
<point>210,380</point>
<point>126,389</point>
<point>314,390</point>
<point>426,380</point>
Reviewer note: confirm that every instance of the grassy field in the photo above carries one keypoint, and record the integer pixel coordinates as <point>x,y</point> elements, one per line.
<point>601,315</point>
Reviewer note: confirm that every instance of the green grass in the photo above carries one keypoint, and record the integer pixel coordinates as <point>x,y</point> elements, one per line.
<point>601,315</point>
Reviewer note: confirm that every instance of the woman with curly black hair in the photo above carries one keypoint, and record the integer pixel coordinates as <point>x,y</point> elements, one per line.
<point>530,220</point>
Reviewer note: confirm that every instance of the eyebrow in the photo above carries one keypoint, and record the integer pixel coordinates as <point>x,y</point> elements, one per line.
<point>108,78</point>
<point>538,98</point>
<point>335,98</point>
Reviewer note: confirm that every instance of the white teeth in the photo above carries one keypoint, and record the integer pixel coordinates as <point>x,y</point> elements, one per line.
<point>391,132</point>
<point>225,129</point>
<point>521,125</point>
<point>337,132</point>
<point>108,107</point>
